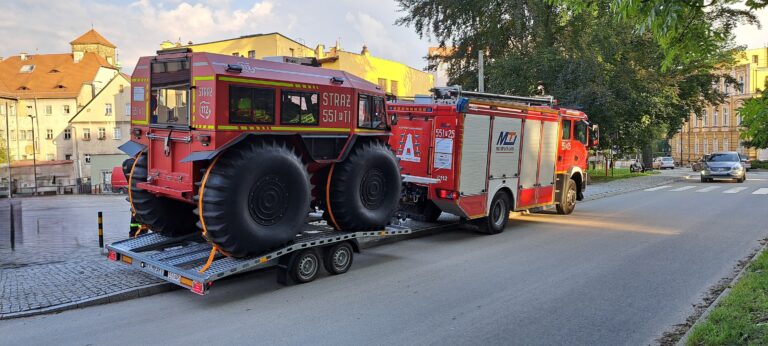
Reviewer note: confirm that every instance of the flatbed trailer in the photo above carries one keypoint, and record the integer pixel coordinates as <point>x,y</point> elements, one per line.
<point>180,260</point>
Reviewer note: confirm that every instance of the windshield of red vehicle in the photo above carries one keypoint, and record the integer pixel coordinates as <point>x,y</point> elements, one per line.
<point>169,103</point>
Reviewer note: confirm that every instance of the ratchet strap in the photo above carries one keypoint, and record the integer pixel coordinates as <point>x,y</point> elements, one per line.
<point>214,248</point>
<point>328,198</point>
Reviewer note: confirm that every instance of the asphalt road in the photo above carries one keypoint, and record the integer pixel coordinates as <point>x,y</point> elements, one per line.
<point>620,270</point>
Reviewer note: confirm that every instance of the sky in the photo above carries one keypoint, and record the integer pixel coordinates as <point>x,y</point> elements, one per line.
<point>137,27</point>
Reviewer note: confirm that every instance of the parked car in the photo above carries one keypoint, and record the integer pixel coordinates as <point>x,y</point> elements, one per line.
<point>667,162</point>
<point>724,165</point>
<point>119,182</point>
<point>745,162</point>
<point>698,166</point>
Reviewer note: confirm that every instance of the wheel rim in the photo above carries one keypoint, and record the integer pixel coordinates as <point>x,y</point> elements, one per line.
<point>571,198</point>
<point>497,214</point>
<point>268,200</point>
<point>307,267</point>
<point>372,188</point>
<point>341,258</point>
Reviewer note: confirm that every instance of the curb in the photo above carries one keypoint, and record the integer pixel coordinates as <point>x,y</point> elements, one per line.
<point>684,339</point>
<point>127,294</point>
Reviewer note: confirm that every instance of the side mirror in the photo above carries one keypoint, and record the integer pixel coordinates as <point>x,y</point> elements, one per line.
<point>594,136</point>
<point>393,119</point>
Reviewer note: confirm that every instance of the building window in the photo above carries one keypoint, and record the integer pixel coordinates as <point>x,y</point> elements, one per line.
<point>755,60</point>
<point>299,108</point>
<point>68,157</point>
<point>383,84</point>
<point>102,133</point>
<point>49,157</point>
<point>108,109</point>
<point>118,133</point>
<point>293,53</point>
<point>87,159</point>
<point>251,105</point>
<point>30,135</point>
<point>66,109</point>
<point>48,134</point>
<point>128,109</point>
<point>22,135</point>
<point>252,54</point>
<point>67,133</point>
<point>86,134</point>
<point>12,110</point>
<point>725,115</point>
<point>726,145</point>
<point>706,146</point>
<point>30,68</point>
<point>236,54</point>
<point>48,110</point>
<point>704,119</point>
<point>714,118</point>
<point>714,144</point>
<point>741,84</point>
<point>393,87</point>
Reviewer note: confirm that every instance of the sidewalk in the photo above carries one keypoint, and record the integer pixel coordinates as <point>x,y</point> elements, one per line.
<point>61,267</point>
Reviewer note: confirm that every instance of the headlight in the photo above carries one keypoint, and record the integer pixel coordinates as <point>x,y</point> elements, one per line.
<point>736,167</point>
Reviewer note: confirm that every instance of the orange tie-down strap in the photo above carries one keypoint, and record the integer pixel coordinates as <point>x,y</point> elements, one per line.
<point>214,248</point>
<point>142,228</point>
<point>130,183</point>
<point>328,198</point>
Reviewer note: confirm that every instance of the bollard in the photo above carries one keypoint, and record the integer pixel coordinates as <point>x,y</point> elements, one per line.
<point>101,232</point>
<point>13,230</point>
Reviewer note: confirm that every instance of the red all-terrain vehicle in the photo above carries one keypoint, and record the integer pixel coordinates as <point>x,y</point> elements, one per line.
<point>242,149</point>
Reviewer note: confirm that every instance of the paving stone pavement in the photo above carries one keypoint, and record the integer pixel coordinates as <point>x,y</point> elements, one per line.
<point>62,266</point>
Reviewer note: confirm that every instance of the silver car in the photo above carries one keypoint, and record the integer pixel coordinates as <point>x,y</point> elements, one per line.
<point>724,165</point>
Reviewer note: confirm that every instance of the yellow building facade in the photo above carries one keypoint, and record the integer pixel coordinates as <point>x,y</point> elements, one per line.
<point>719,126</point>
<point>392,77</point>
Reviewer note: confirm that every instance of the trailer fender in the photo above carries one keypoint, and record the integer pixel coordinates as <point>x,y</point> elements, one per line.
<point>132,148</point>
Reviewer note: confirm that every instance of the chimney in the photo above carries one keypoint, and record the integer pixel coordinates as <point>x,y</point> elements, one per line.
<point>24,56</point>
<point>365,51</point>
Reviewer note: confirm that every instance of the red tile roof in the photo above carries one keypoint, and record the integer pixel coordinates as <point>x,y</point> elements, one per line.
<point>91,37</point>
<point>53,76</point>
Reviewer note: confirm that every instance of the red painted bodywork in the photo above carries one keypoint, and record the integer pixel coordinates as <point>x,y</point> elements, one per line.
<point>209,114</point>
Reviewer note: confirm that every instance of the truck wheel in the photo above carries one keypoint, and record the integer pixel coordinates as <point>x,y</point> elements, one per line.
<point>338,258</point>
<point>567,199</point>
<point>255,197</point>
<point>165,216</point>
<point>305,266</point>
<point>365,188</point>
<point>498,215</point>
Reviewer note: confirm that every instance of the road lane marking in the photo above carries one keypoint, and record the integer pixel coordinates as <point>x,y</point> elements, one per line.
<point>761,191</point>
<point>658,188</point>
<point>735,190</point>
<point>683,188</point>
<point>708,188</point>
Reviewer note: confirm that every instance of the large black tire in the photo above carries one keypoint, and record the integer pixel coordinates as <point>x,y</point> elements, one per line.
<point>256,197</point>
<point>498,214</point>
<point>163,215</point>
<point>365,188</point>
<point>567,199</point>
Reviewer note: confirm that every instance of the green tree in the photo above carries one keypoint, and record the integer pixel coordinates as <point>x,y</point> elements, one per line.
<point>754,113</point>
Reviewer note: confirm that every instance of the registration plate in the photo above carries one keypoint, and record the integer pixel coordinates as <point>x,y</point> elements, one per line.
<point>156,270</point>
<point>174,277</point>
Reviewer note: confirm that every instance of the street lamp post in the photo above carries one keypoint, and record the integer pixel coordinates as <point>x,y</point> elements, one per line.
<point>34,151</point>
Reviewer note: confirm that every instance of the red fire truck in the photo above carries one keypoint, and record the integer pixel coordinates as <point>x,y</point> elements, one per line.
<point>480,155</point>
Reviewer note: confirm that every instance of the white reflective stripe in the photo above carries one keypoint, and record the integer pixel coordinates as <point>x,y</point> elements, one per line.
<point>735,190</point>
<point>683,188</point>
<point>761,191</point>
<point>658,188</point>
<point>707,189</point>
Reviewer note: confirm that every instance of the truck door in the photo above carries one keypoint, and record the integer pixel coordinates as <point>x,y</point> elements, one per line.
<point>529,169</point>
<point>505,154</point>
<point>547,160</point>
<point>474,164</point>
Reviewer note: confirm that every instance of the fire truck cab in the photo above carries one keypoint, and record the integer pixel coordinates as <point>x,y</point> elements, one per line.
<point>479,155</point>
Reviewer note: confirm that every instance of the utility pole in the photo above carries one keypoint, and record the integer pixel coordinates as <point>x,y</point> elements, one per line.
<point>480,72</point>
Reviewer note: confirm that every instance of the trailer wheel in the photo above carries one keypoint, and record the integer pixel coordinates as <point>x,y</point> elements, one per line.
<point>163,215</point>
<point>255,197</point>
<point>568,199</point>
<point>498,214</point>
<point>305,266</point>
<point>338,258</point>
<point>365,188</point>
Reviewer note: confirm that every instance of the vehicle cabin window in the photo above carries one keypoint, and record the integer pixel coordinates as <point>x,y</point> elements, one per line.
<point>251,105</point>
<point>724,157</point>
<point>566,129</point>
<point>371,113</point>
<point>580,132</point>
<point>170,93</point>
<point>299,107</point>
